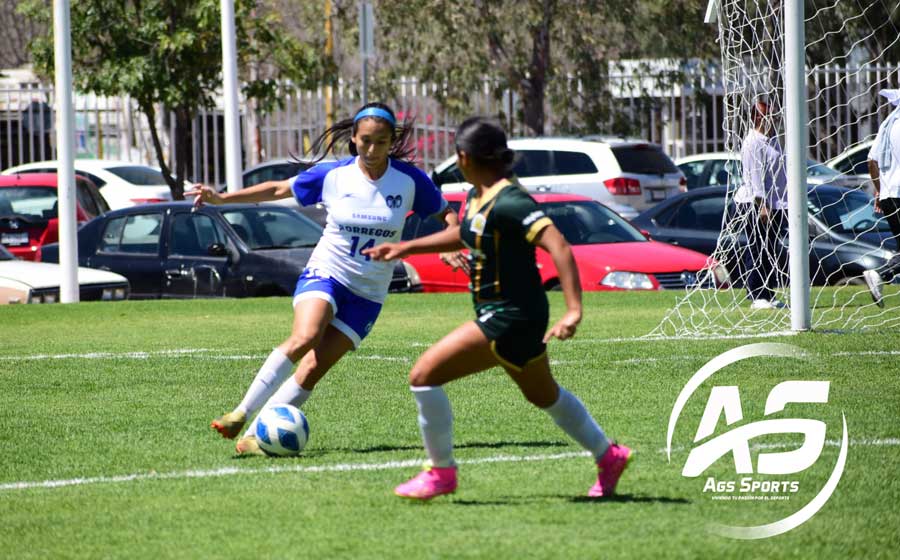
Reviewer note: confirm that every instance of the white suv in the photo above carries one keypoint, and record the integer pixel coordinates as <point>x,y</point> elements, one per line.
<point>626,175</point>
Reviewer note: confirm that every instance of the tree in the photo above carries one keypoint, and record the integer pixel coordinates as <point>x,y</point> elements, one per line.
<point>167,53</point>
<point>15,38</point>
<point>537,48</point>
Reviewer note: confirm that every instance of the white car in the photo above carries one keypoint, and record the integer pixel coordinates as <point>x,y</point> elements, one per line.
<point>121,183</point>
<point>854,162</point>
<point>38,282</point>
<point>625,175</point>
<point>712,169</point>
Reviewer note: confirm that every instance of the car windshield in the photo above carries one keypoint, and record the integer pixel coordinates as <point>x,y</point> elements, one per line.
<point>846,211</point>
<point>273,228</point>
<point>644,159</point>
<point>31,203</point>
<point>586,222</point>
<point>138,175</point>
<point>274,172</point>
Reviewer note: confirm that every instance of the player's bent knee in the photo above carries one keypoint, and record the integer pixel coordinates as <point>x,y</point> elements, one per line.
<point>419,376</point>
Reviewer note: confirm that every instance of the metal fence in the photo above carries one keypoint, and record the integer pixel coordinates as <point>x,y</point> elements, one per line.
<point>684,118</point>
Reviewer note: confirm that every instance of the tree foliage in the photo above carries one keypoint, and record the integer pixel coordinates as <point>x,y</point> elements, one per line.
<point>167,53</point>
<point>16,35</point>
<point>537,48</point>
<point>833,31</point>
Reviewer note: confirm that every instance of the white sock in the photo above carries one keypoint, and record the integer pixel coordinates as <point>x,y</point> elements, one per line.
<point>290,392</point>
<point>436,424</point>
<point>569,414</point>
<point>271,375</point>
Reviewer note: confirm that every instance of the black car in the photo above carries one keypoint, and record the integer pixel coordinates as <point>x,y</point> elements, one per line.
<point>171,250</point>
<point>846,236</point>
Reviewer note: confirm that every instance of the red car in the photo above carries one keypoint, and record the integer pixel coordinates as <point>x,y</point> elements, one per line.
<point>28,205</point>
<point>611,254</point>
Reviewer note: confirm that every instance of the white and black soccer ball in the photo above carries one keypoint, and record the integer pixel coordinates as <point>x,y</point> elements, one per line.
<point>282,430</point>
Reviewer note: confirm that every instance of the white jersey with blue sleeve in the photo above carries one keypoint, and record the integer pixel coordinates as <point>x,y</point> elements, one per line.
<point>361,214</point>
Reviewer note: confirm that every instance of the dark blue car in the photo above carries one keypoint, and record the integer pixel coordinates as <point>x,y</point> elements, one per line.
<point>171,250</point>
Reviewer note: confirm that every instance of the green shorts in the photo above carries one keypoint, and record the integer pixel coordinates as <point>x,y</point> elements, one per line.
<point>516,334</point>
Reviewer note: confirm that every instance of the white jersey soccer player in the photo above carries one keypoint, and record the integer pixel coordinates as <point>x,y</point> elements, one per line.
<point>340,293</point>
<point>361,214</point>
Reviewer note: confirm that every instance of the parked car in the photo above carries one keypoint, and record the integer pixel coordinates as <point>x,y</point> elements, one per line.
<point>28,210</point>
<point>170,250</point>
<point>712,169</point>
<point>609,252</point>
<point>846,236</point>
<point>279,170</point>
<point>121,183</point>
<point>35,282</point>
<point>275,170</point>
<point>625,175</point>
<point>854,162</point>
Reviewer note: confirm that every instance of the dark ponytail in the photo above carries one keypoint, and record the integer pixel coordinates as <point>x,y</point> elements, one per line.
<point>485,142</point>
<point>343,131</point>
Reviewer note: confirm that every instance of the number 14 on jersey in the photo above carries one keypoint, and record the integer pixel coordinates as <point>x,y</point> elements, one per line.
<point>356,250</point>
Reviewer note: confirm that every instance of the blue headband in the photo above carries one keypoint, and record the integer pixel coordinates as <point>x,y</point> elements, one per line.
<point>375,112</point>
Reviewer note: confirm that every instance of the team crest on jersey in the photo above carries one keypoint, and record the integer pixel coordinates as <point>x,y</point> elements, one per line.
<point>478,223</point>
<point>394,201</point>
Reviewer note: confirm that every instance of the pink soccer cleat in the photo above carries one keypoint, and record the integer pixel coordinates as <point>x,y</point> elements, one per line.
<point>432,482</point>
<point>609,468</point>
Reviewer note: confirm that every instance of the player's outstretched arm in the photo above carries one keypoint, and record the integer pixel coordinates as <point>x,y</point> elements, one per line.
<point>550,240</point>
<point>263,192</point>
<point>442,241</point>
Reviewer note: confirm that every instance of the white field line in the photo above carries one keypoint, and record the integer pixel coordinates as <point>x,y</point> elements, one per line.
<point>656,338</point>
<point>214,355</point>
<point>355,467</point>
<point>274,469</point>
<point>112,355</point>
<point>677,358</point>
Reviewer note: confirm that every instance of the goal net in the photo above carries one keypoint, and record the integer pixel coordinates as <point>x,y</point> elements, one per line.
<point>852,52</point>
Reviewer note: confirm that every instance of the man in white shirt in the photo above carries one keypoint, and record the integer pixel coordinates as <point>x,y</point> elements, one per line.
<point>884,167</point>
<point>761,200</point>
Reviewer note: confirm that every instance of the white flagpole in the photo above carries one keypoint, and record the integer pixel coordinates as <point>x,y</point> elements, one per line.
<point>65,153</point>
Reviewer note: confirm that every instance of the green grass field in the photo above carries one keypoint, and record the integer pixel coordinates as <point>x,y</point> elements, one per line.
<point>106,450</point>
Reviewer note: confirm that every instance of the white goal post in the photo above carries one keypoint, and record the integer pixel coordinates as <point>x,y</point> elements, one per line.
<point>811,267</point>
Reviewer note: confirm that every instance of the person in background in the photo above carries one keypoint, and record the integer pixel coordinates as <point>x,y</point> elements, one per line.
<point>761,202</point>
<point>884,168</point>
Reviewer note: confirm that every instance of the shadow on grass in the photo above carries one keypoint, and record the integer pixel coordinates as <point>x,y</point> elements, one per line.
<point>472,445</point>
<point>510,502</point>
<point>617,498</point>
<point>320,452</point>
<point>627,498</point>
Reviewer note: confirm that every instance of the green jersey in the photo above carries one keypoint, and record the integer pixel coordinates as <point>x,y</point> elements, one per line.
<point>499,229</point>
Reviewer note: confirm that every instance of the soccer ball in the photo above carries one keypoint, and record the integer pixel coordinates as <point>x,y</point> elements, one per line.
<point>282,430</point>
